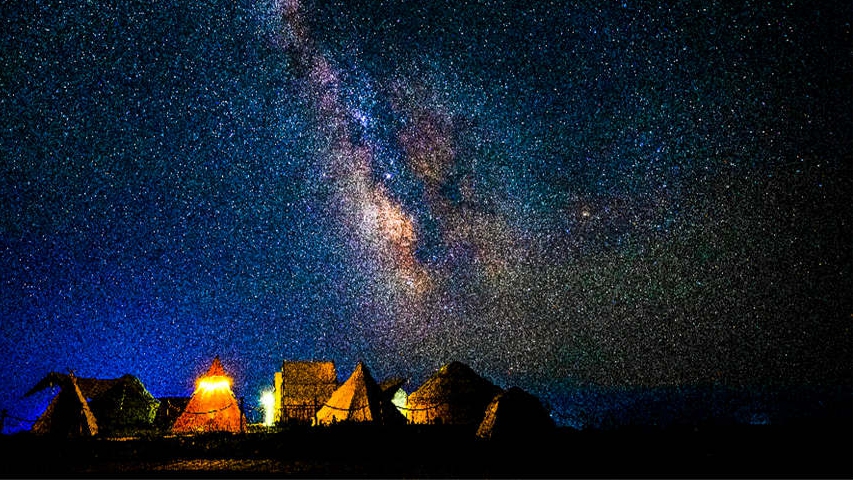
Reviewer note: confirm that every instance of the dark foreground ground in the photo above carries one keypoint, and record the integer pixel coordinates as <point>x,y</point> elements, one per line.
<point>349,451</point>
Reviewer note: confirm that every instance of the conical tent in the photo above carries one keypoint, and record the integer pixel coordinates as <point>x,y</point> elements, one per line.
<point>68,414</point>
<point>454,395</point>
<point>515,414</point>
<point>213,406</point>
<point>359,399</point>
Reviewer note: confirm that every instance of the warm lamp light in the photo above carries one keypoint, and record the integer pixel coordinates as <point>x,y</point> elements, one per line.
<point>211,384</point>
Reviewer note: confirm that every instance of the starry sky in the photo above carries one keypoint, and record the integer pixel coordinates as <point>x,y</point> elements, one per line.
<point>559,194</point>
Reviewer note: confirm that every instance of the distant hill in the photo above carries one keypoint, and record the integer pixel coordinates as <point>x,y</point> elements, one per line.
<point>611,407</point>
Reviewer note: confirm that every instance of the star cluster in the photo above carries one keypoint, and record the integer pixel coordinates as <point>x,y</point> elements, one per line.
<point>559,194</point>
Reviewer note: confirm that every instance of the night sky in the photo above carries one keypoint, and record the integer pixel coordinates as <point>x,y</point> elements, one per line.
<point>559,194</point>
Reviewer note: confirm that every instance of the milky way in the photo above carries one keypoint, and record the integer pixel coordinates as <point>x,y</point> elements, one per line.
<point>558,194</point>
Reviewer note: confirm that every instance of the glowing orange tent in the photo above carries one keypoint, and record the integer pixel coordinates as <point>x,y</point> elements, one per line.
<point>213,406</point>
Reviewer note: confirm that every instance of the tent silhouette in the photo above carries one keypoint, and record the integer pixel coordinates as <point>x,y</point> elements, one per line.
<point>359,399</point>
<point>515,414</point>
<point>68,414</point>
<point>119,405</point>
<point>124,406</point>
<point>213,406</point>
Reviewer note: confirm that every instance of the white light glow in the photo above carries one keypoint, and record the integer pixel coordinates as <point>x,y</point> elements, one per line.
<point>268,402</point>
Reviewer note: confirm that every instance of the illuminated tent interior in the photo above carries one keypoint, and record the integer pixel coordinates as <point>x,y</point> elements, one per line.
<point>213,406</point>
<point>359,399</point>
<point>392,388</point>
<point>514,414</point>
<point>454,395</point>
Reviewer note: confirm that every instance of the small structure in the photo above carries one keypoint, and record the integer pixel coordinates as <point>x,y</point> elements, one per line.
<point>213,406</point>
<point>169,410</point>
<point>454,395</point>
<point>301,388</point>
<point>359,399</point>
<point>119,405</point>
<point>392,389</point>
<point>516,415</point>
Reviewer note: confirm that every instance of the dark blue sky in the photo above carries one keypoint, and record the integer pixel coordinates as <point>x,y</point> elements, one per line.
<point>560,195</point>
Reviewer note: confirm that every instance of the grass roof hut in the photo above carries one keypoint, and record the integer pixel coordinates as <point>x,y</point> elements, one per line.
<point>454,395</point>
<point>301,388</point>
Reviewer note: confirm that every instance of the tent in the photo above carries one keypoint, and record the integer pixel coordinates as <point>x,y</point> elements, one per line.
<point>454,395</point>
<point>515,414</point>
<point>359,399</point>
<point>119,405</point>
<point>68,414</point>
<point>213,406</point>
<point>125,406</point>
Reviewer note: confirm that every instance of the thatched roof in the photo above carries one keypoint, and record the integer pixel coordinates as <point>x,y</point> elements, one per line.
<point>307,382</point>
<point>455,394</point>
<point>309,372</point>
<point>391,385</point>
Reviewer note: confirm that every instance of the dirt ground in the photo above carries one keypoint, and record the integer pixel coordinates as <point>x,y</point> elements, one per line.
<point>443,452</point>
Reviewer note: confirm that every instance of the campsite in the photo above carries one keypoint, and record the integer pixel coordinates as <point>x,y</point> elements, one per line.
<point>456,424</point>
<point>306,393</point>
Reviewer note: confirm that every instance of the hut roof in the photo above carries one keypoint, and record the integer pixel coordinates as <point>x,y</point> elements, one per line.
<point>308,372</point>
<point>454,394</point>
<point>454,382</point>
